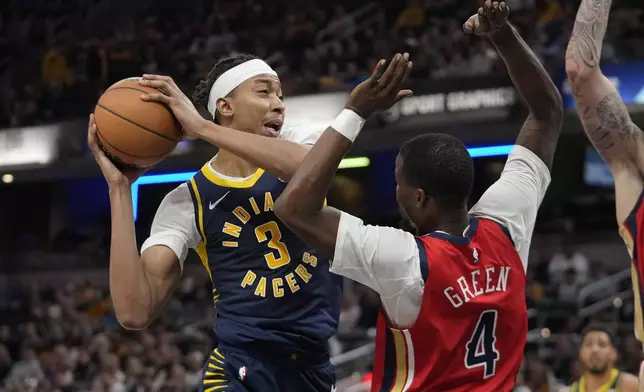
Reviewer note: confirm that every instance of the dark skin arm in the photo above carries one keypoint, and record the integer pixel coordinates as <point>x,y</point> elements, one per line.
<point>601,110</point>
<point>301,205</point>
<point>541,129</point>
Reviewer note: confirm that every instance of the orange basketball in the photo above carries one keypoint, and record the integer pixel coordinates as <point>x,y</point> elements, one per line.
<point>132,132</point>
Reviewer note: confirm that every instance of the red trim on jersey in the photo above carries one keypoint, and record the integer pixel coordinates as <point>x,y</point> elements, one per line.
<point>470,275</point>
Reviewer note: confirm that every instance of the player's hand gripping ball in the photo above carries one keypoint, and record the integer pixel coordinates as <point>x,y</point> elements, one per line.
<point>490,19</point>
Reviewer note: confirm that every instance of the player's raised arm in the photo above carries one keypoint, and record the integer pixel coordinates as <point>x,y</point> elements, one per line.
<point>139,285</point>
<point>301,205</point>
<point>602,112</point>
<point>280,157</point>
<point>514,199</point>
<point>541,129</point>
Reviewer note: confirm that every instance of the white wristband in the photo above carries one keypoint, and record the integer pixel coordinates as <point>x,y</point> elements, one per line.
<point>348,124</point>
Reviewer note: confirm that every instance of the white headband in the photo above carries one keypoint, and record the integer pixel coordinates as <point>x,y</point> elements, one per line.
<point>231,79</point>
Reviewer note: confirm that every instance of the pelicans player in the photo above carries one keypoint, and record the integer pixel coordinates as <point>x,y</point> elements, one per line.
<point>609,127</point>
<point>453,306</point>
<point>277,304</point>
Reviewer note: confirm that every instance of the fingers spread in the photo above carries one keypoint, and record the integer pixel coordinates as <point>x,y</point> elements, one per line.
<point>373,79</point>
<point>482,19</point>
<point>399,77</point>
<point>391,70</point>
<point>470,25</point>
<point>157,98</point>
<point>505,10</point>
<point>402,94</point>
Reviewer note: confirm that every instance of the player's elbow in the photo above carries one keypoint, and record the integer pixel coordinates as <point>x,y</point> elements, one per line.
<point>284,209</point>
<point>578,75</point>
<point>133,320</point>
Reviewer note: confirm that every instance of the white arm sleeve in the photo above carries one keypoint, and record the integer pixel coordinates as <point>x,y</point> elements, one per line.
<point>301,134</point>
<point>514,199</point>
<point>174,224</point>
<point>385,259</point>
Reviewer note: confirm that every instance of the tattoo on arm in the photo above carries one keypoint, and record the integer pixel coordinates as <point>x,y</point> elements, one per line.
<point>585,44</point>
<point>609,127</point>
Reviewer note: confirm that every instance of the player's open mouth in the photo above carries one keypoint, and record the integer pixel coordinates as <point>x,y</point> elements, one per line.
<point>273,128</point>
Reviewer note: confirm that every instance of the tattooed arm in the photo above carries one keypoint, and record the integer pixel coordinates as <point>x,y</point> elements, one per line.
<point>602,111</point>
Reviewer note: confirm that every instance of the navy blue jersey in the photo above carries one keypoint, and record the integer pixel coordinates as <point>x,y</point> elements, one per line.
<point>268,285</point>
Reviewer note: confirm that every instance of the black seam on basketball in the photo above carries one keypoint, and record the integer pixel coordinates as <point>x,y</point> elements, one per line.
<point>128,88</point>
<point>127,153</point>
<point>115,160</point>
<point>138,125</point>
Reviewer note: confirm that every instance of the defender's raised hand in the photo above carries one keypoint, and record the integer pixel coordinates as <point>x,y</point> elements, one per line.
<point>171,95</point>
<point>490,19</point>
<point>380,92</point>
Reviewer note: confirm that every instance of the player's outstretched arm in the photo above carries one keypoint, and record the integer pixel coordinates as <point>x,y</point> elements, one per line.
<point>602,111</point>
<point>301,205</point>
<point>280,157</point>
<point>541,129</point>
<point>139,286</point>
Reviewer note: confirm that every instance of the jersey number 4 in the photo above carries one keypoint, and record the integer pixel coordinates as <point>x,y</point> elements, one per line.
<point>275,243</point>
<point>480,350</point>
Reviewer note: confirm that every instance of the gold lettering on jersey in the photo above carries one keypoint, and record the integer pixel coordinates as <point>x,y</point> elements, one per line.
<point>292,284</point>
<point>477,283</point>
<point>260,290</point>
<point>241,214</point>
<point>278,291</point>
<point>231,229</point>
<point>277,254</point>
<point>253,204</point>
<point>303,273</point>
<point>248,279</point>
<point>268,202</point>
<point>309,259</point>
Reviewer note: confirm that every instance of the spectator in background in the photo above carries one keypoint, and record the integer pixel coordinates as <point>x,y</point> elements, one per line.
<point>568,257</point>
<point>568,289</point>
<point>55,70</point>
<point>534,289</point>
<point>411,18</point>
<point>537,377</point>
<point>5,362</point>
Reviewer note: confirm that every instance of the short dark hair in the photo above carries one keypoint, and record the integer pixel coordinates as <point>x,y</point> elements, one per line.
<point>440,165</point>
<point>202,91</point>
<point>595,327</point>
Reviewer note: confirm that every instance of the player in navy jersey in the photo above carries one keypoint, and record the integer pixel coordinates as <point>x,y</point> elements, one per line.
<point>276,300</point>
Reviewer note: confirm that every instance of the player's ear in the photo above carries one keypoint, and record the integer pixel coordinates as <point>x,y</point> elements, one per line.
<point>224,107</point>
<point>421,197</point>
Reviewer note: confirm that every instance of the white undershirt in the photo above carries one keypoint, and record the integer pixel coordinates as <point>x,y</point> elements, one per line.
<point>387,260</point>
<point>174,223</point>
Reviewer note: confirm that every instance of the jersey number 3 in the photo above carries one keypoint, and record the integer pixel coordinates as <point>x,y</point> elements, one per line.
<point>480,350</point>
<point>283,257</point>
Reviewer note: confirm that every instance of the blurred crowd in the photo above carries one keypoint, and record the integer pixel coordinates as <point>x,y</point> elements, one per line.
<point>57,56</point>
<point>66,338</point>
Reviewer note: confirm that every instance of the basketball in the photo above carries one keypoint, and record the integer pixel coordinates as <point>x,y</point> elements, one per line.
<point>132,132</point>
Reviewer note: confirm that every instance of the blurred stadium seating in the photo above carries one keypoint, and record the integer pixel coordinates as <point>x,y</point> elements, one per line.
<point>57,329</point>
